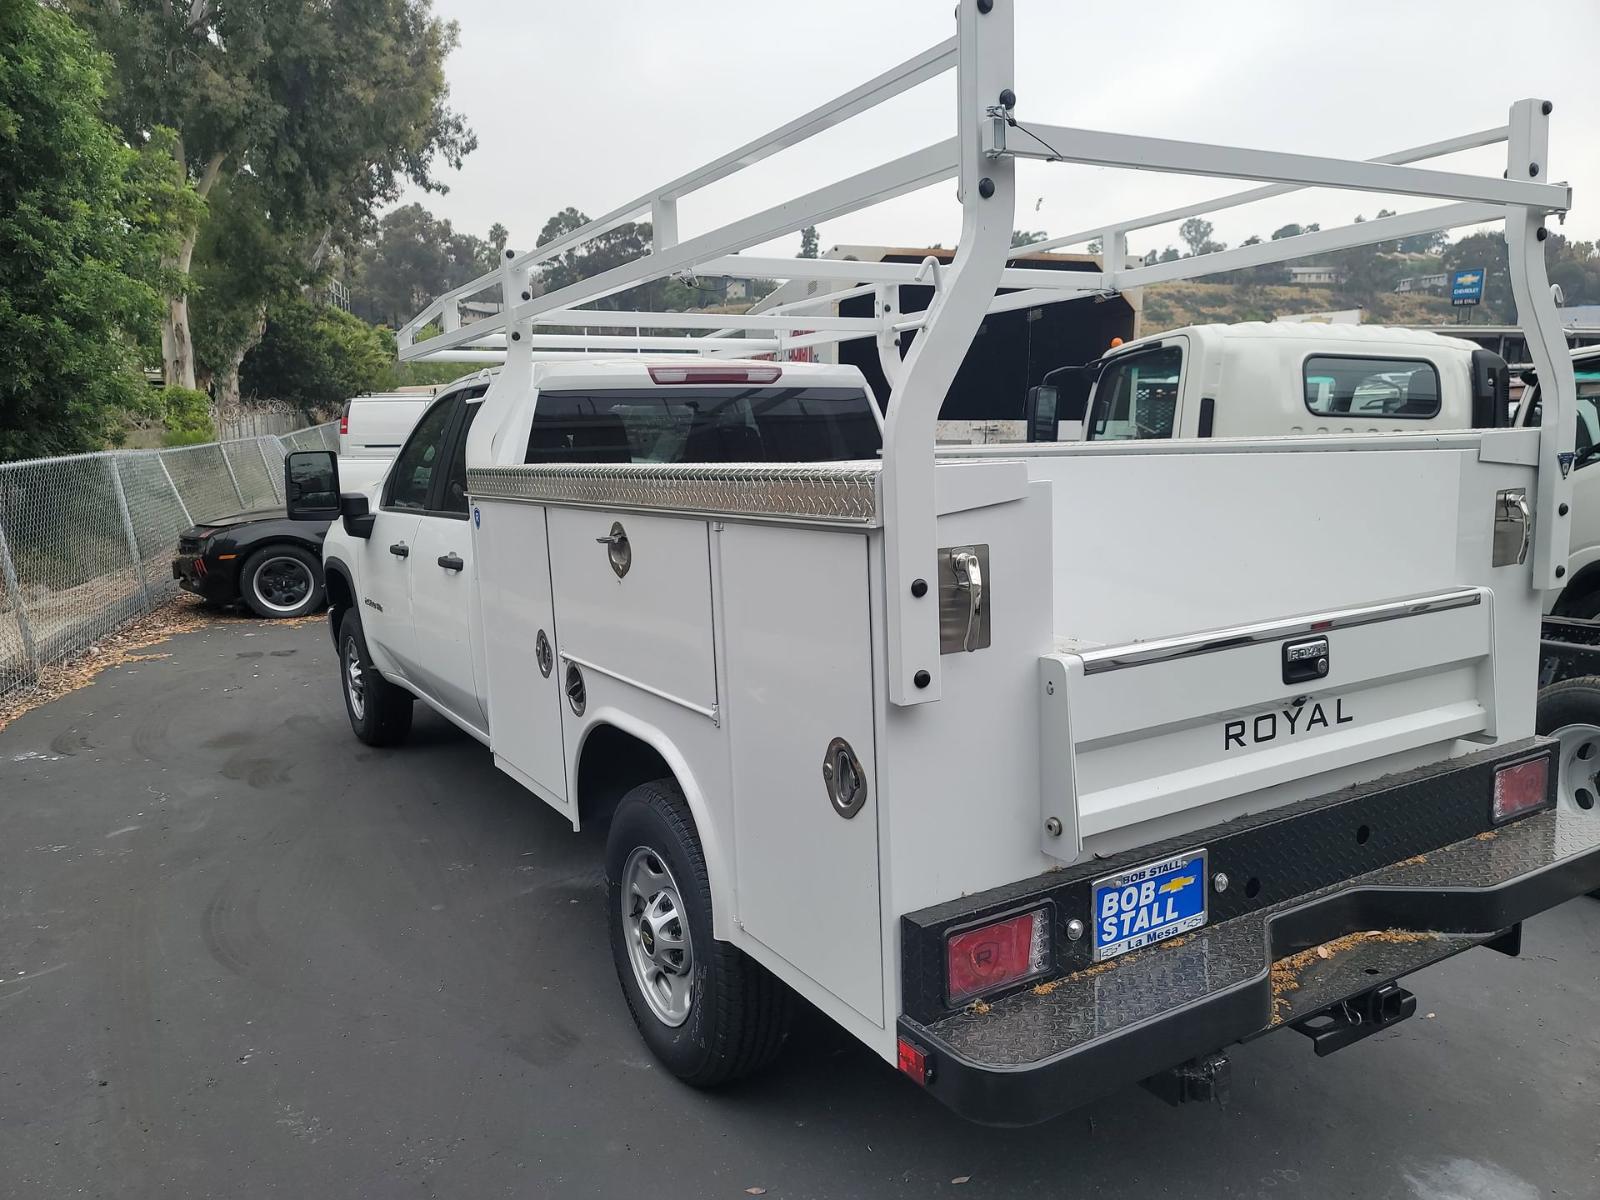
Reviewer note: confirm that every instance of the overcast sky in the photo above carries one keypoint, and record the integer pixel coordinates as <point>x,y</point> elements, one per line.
<point>593,102</point>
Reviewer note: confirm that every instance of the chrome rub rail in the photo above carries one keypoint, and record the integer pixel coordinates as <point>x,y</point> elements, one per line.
<point>1139,654</point>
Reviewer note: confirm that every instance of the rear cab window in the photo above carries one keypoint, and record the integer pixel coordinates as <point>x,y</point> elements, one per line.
<point>703,424</point>
<point>1136,396</point>
<point>1404,389</point>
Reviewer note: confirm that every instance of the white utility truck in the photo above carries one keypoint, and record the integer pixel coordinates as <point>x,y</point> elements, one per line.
<point>1040,769</point>
<point>1271,379</point>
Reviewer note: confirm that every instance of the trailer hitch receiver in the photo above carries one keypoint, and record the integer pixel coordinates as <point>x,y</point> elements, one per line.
<point>1344,1024</point>
<point>1206,1078</point>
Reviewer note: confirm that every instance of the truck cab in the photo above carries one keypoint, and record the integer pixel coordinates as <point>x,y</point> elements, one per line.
<point>410,557</point>
<point>1267,379</point>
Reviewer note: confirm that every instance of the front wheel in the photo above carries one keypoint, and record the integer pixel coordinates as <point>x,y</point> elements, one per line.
<point>379,711</point>
<point>708,1012</point>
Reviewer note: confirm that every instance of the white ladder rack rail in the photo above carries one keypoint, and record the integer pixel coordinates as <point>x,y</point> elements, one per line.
<point>982,158</point>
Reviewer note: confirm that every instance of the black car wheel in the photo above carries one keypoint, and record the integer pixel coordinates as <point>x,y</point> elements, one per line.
<point>282,581</point>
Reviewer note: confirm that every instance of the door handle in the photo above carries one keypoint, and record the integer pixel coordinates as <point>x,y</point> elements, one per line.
<point>969,578</point>
<point>451,562</point>
<point>400,550</point>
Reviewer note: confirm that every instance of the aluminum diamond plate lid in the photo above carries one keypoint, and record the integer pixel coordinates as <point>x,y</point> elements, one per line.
<point>819,493</point>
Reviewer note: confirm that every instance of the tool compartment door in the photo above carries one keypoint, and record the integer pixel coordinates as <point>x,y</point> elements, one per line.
<point>650,625</point>
<point>795,606</point>
<point>523,702</point>
<point>1155,735</point>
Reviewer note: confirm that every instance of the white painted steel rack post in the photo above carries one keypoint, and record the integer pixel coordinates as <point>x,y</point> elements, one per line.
<point>981,157</point>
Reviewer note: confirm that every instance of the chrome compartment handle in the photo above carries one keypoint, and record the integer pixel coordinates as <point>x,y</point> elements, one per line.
<point>969,578</point>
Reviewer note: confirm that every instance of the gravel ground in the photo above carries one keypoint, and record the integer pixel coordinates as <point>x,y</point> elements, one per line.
<point>242,955</point>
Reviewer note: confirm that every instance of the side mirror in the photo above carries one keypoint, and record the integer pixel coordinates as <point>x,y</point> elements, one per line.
<point>1491,390</point>
<point>1039,413</point>
<point>311,485</point>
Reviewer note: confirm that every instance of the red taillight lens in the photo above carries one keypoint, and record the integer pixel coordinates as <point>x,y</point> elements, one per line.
<point>715,374</point>
<point>344,425</point>
<point>1520,788</point>
<point>991,957</point>
<point>913,1061</point>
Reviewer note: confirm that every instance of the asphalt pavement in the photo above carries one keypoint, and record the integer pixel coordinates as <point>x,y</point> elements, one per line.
<point>242,955</point>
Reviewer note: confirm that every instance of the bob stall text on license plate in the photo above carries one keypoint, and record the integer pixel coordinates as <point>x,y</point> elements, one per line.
<point>1149,904</point>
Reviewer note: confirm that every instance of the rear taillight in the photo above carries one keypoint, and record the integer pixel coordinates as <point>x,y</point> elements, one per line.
<point>995,956</point>
<point>715,374</point>
<point>344,425</point>
<point>1520,788</point>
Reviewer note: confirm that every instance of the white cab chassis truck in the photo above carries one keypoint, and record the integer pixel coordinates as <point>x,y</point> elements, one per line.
<point>1275,379</point>
<point>1039,769</point>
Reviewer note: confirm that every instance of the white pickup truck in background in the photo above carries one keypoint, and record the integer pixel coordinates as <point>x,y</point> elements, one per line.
<point>1037,768</point>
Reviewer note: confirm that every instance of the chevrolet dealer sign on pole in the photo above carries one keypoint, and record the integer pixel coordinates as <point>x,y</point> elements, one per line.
<point>1466,287</point>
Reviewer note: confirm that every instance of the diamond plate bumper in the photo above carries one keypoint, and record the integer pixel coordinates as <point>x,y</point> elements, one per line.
<point>1031,1055</point>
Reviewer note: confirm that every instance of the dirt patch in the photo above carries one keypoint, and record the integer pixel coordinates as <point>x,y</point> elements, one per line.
<point>178,615</point>
<point>1416,860</point>
<point>1285,971</point>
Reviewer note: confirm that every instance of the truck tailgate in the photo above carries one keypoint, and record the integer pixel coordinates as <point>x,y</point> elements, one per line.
<point>1149,729</point>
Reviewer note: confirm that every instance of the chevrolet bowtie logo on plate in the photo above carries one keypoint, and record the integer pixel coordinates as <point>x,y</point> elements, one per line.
<point>1305,659</point>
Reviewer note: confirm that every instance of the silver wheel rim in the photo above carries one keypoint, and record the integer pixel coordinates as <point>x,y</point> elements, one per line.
<point>282,583</point>
<point>657,932</point>
<point>355,679</point>
<point>1579,784</point>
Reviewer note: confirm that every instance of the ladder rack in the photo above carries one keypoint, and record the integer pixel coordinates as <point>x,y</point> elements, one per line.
<point>990,137</point>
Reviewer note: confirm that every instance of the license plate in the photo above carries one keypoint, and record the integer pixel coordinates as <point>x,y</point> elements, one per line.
<point>1149,904</point>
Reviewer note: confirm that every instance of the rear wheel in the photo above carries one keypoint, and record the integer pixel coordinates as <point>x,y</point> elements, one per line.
<point>1569,711</point>
<point>282,581</point>
<point>379,711</point>
<point>708,1012</point>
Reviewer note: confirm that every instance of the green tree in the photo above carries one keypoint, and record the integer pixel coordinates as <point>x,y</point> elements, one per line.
<point>329,108</point>
<point>414,257</point>
<point>242,264</point>
<point>83,221</point>
<point>186,415</point>
<point>1196,234</point>
<point>315,356</point>
<point>810,242</point>
<point>1027,237</point>
<point>610,249</point>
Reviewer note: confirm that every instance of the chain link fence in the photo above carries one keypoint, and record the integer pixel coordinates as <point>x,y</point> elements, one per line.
<point>86,541</point>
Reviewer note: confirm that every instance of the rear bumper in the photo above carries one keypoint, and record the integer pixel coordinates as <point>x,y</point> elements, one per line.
<point>217,582</point>
<point>1442,882</point>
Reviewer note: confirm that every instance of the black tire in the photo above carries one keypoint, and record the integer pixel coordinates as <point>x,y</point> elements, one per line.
<point>271,579</point>
<point>738,1014</point>
<point>381,715</point>
<point>1584,606</point>
<point>1570,702</point>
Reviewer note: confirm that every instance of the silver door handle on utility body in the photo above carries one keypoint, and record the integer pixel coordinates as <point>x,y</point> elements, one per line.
<point>969,578</point>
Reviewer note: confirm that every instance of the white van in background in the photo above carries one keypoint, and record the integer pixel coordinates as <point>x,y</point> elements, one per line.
<point>375,425</point>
